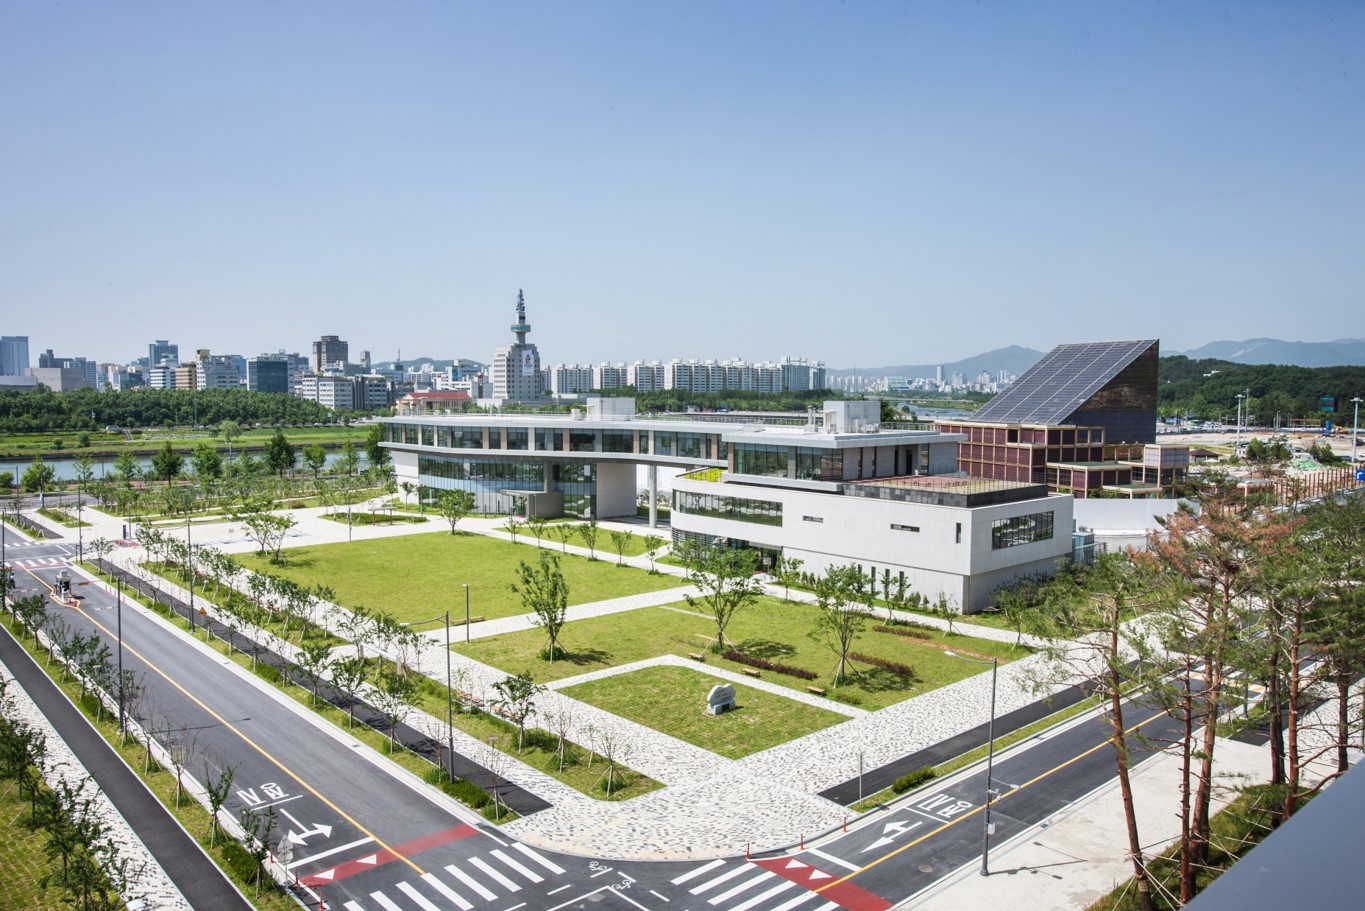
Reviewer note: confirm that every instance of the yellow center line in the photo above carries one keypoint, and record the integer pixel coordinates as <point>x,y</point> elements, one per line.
<point>1037,778</point>
<point>229,725</point>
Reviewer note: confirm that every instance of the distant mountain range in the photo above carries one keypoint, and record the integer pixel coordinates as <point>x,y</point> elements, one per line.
<point>1344,352</point>
<point>1013,359</point>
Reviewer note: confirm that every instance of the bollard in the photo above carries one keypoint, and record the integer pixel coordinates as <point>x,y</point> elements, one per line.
<point>746,850</point>
<point>803,841</point>
<point>845,823</point>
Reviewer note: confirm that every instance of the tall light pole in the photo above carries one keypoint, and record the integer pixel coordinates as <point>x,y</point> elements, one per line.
<point>466,613</point>
<point>450,701</point>
<point>119,581</point>
<point>1355,433</point>
<point>987,826</point>
<point>1237,446</point>
<point>189,558</point>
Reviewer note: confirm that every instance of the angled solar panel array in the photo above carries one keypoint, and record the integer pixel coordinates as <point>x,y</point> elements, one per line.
<point>1064,380</point>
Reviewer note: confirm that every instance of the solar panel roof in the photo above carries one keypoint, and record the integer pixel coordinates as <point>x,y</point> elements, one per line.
<point>1067,376</point>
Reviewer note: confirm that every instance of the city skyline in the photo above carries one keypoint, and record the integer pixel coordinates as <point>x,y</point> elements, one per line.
<point>657,176</point>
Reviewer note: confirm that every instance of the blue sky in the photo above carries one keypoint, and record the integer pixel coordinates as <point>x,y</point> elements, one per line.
<point>865,183</point>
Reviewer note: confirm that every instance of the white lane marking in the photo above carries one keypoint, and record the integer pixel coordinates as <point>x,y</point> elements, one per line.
<point>544,862</point>
<point>783,886</point>
<point>450,894</point>
<point>803,897</point>
<point>742,887</point>
<point>562,888</point>
<point>651,892</point>
<point>352,906</point>
<point>384,901</point>
<point>470,881</point>
<point>498,877</point>
<point>693,874</point>
<point>411,892</point>
<point>712,883</point>
<point>834,860</point>
<point>532,875</point>
<point>328,853</point>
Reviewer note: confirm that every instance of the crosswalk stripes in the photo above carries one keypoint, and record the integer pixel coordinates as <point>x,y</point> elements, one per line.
<point>543,861</point>
<point>494,874</point>
<point>515,865</point>
<point>450,894</point>
<point>723,878</point>
<point>693,874</point>
<point>742,887</point>
<point>476,877</point>
<point>472,883</point>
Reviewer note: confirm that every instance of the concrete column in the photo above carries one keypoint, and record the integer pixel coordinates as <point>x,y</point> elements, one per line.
<point>653,496</point>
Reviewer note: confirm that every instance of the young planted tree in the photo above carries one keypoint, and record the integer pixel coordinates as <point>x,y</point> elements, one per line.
<point>348,459</point>
<point>620,540</point>
<point>207,462</point>
<point>454,505</point>
<point>725,578</point>
<point>348,674</point>
<point>280,454</point>
<point>311,661</point>
<point>544,593</point>
<point>217,787</point>
<point>787,570</point>
<point>513,528</point>
<point>844,604</point>
<point>563,531</point>
<point>536,524</point>
<point>517,699</point>
<point>408,489</point>
<point>652,545</point>
<point>588,532</point>
<point>167,464</point>
<point>391,695</point>
<point>315,457</point>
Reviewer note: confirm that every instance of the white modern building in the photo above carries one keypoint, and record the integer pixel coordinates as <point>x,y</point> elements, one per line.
<point>836,490</point>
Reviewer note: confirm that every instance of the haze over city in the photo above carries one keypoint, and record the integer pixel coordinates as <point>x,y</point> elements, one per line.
<point>678,180</point>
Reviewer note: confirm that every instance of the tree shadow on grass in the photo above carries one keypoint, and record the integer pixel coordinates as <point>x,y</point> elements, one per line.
<point>584,657</point>
<point>764,648</point>
<point>881,680</point>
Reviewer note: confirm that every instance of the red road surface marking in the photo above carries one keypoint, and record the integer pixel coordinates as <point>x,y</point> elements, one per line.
<point>379,858</point>
<point>845,894</point>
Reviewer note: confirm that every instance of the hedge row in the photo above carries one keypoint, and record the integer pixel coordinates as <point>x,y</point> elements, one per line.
<point>764,664</point>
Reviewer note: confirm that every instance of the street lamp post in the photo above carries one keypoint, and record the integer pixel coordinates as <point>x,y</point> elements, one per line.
<point>1237,446</point>
<point>466,613</point>
<point>450,699</point>
<point>189,558</point>
<point>119,582</point>
<point>990,764</point>
<point>1355,432</point>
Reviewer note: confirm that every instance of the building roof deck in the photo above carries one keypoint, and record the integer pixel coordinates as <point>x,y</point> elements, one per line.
<point>945,490</point>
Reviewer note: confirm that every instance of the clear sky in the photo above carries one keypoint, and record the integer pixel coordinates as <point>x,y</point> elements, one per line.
<point>865,183</point>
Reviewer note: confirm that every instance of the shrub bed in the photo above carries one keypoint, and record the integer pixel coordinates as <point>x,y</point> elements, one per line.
<point>912,780</point>
<point>764,664</point>
<point>883,663</point>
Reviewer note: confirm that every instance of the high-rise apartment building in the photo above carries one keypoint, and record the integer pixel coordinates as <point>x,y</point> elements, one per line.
<point>13,355</point>
<point>329,351</point>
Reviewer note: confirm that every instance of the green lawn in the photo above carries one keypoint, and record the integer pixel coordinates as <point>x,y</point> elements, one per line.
<point>416,576</point>
<point>771,629</point>
<point>672,700</point>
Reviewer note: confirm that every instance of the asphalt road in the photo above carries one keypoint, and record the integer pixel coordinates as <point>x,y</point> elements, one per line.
<point>366,840</point>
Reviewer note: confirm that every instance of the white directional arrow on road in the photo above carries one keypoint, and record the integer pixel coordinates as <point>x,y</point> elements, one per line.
<point>889,833</point>
<point>301,837</point>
